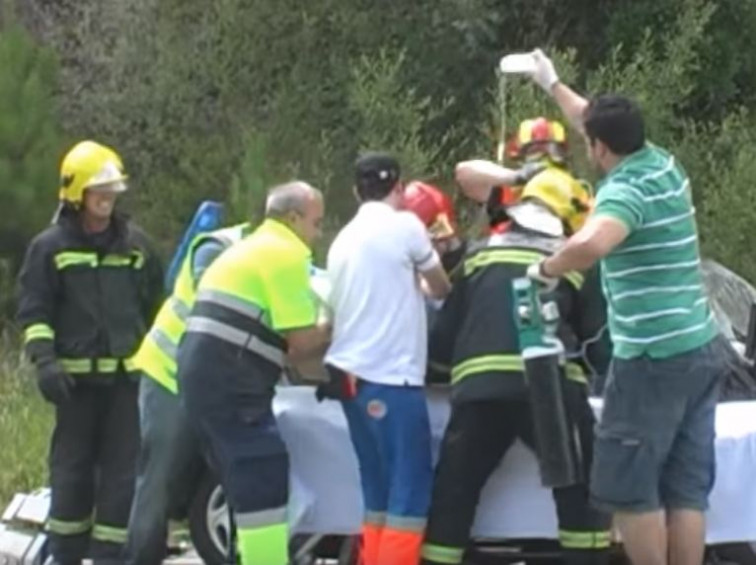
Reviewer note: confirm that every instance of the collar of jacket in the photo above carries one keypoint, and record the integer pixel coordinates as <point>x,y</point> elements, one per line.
<point>70,221</point>
<point>517,237</point>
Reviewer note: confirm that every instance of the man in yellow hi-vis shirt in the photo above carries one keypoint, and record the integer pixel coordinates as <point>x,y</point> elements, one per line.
<point>253,307</point>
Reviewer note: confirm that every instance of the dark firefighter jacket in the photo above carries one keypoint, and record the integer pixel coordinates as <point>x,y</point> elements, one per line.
<point>86,300</point>
<point>474,336</point>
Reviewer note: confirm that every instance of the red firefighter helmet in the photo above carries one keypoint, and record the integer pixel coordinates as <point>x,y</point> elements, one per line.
<point>434,208</point>
<point>538,138</point>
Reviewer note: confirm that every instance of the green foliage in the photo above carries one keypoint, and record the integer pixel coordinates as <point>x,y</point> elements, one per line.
<point>721,161</point>
<point>25,426</point>
<point>250,183</point>
<point>29,138</point>
<point>659,72</point>
<point>391,116</point>
<point>203,107</point>
<point>726,51</point>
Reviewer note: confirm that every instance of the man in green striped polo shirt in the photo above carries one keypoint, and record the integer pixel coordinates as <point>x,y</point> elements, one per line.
<point>654,460</point>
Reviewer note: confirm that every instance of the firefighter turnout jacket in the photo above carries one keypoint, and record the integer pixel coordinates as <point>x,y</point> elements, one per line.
<point>475,338</point>
<point>86,300</point>
<point>156,357</point>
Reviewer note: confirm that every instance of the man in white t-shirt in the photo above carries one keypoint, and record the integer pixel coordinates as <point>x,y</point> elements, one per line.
<point>379,266</point>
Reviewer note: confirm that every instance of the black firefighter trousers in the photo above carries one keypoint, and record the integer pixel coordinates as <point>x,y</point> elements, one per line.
<point>93,454</point>
<point>477,437</point>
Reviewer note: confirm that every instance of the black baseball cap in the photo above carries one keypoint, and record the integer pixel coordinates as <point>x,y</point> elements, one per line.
<point>376,172</point>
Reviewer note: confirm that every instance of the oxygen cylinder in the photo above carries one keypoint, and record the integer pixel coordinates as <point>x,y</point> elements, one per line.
<point>556,443</point>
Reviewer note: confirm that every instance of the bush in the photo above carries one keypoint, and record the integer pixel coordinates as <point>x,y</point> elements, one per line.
<point>25,425</point>
<point>29,139</point>
<point>390,116</point>
<point>721,160</point>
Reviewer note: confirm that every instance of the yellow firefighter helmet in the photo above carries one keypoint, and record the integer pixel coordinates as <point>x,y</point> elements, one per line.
<point>567,198</point>
<point>539,138</point>
<point>90,165</point>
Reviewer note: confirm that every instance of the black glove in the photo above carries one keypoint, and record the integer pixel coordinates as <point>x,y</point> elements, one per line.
<point>527,172</point>
<point>495,210</point>
<point>338,387</point>
<point>53,382</point>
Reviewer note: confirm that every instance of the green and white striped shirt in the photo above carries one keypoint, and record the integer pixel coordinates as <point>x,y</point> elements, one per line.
<point>652,281</point>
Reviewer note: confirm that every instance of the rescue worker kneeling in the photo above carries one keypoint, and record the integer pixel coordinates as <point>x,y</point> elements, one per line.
<point>476,336</point>
<point>253,306</point>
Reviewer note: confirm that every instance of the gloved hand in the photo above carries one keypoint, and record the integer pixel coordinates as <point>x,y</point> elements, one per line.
<point>527,172</point>
<point>535,273</point>
<point>53,382</point>
<point>340,386</point>
<point>545,74</point>
<point>495,210</point>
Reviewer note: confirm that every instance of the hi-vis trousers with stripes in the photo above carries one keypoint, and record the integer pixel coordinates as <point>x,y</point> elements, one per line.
<point>227,404</point>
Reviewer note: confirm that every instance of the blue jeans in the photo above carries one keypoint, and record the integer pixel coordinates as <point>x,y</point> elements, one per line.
<point>170,466</point>
<point>655,442</point>
<point>390,431</point>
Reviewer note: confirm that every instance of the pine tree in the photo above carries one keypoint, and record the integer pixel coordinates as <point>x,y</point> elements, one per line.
<point>30,141</point>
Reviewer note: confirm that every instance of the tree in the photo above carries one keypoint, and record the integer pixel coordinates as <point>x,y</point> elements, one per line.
<point>30,141</point>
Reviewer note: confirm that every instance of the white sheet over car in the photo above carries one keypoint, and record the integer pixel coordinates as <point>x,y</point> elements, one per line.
<point>326,498</point>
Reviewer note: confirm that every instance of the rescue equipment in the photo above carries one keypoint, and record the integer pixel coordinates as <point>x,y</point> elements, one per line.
<point>556,438</point>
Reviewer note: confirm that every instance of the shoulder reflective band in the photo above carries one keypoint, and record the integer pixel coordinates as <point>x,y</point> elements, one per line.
<point>231,302</point>
<point>87,366</point>
<point>514,256</point>
<point>38,331</point>
<point>485,363</point>
<point>237,337</point>
<point>71,258</point>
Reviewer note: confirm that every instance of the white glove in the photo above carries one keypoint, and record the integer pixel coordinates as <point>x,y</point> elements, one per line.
<point>535,273</point>
<point>545,74</point>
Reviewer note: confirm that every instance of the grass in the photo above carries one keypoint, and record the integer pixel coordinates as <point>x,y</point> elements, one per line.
<point>25,425</point>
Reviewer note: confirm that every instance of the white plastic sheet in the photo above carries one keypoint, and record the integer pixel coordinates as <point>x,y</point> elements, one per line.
<point>326,490</point>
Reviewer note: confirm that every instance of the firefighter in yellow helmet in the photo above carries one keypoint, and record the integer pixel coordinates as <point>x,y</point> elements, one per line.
<point>88,289</point>
<point>538,139</point>
<point>538,150</point>
<point>542,143</point>
<point>475,336</point>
